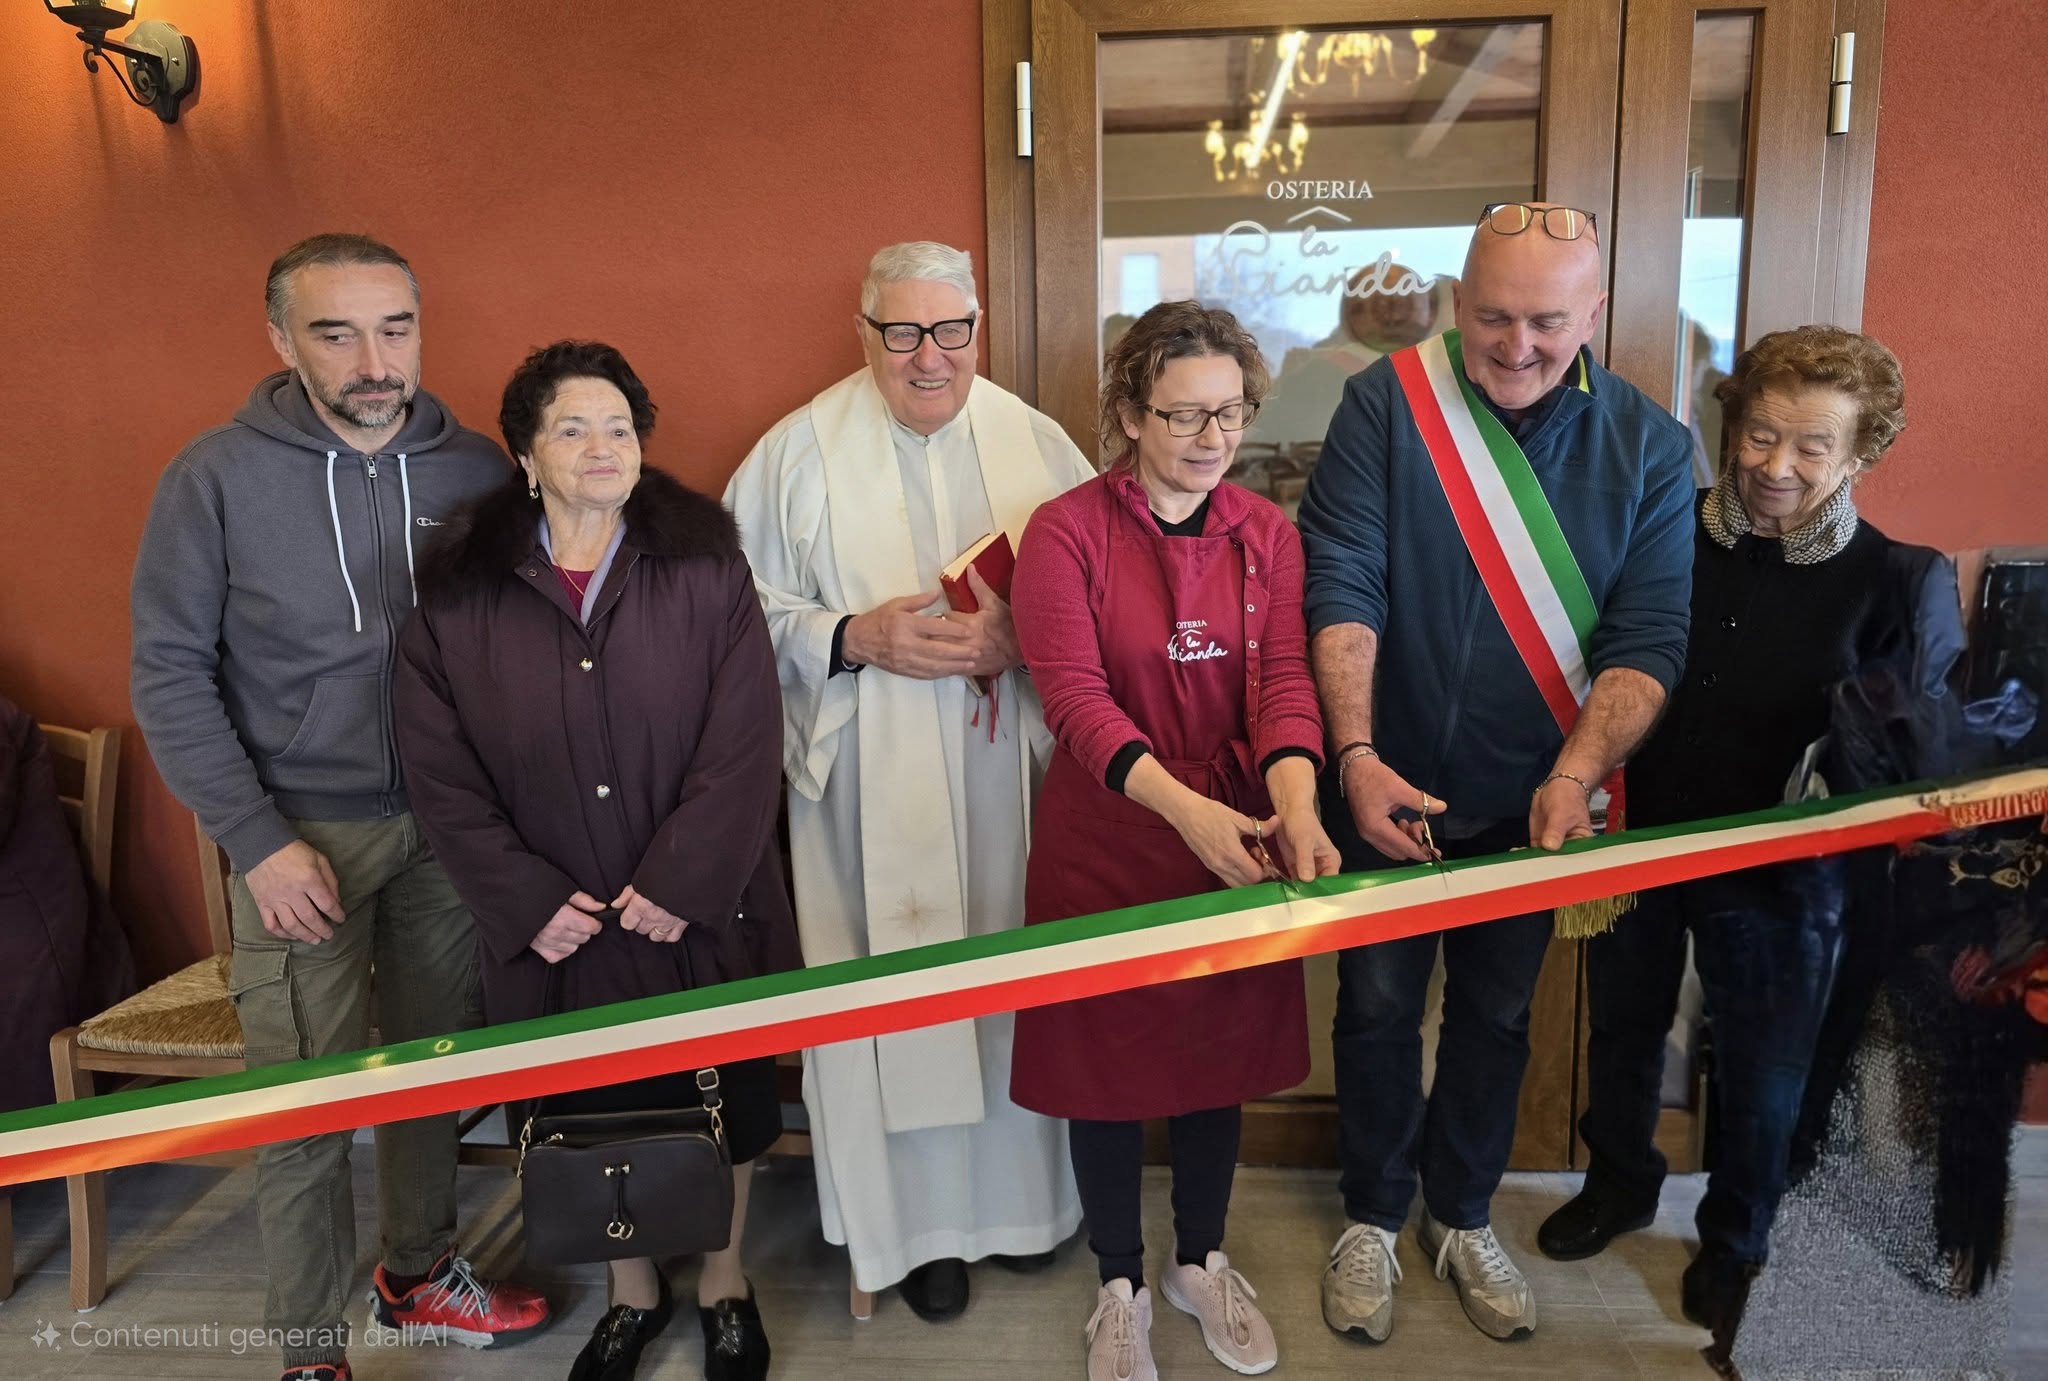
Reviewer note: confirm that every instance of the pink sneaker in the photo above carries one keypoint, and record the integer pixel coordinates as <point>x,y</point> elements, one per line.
<point>1221,1301</point>
<point>1120,1335</point>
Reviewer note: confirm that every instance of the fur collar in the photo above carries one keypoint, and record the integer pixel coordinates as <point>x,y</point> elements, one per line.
<point>495,533</point>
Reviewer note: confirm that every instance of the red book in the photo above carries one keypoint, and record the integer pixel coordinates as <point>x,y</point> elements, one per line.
<point>994,558</point>
<point>991,556</point>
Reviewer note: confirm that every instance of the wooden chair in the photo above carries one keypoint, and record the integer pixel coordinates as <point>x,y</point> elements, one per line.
<point>181,1027</point>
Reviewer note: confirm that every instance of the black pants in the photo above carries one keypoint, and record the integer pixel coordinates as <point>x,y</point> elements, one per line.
<point>1109,1167</point>
<point>1765,943</point>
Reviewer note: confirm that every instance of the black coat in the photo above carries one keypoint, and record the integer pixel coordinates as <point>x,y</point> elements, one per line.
<point>1769,644</point>
<point>63,957</point>
<point>544,757</point>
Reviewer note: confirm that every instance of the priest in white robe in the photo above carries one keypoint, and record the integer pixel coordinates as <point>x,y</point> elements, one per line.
<point>910,795</point>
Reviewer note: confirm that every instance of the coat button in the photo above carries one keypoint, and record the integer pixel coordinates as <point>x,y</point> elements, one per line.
<point>1253,645</point>
<point>1709,679</point>
<point>1251,570</point>
<point>1728,622</point>
<point>586,664</point>
<point>1249,607</point>
<point>603,791</point>
<point>532,571</point>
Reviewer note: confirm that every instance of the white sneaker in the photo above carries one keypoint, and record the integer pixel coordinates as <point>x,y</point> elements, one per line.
<point>1490,1287</point>
<point>1120,1335</point>
<point>1358,1284</point>
<point>1221,1301</point>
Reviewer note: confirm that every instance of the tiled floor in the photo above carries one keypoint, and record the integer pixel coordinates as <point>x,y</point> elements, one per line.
<point>185,1258</point>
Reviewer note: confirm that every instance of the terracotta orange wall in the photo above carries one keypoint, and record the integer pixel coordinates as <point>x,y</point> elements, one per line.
<point>1958,270</point>
<point>698,183</point>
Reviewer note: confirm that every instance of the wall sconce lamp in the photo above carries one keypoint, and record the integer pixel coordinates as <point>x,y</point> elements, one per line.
<point>163,66</point>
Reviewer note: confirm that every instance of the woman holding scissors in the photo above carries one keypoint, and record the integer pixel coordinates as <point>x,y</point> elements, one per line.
<point>1159,609</point>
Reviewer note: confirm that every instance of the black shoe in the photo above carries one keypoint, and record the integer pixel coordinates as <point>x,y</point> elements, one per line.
<point>1585,1226</point>
<point>937,1290</point>
<point>1714,1291</point>
<point>1026,1265</point>
<point>613,1352</point>
<point>735,1344</point>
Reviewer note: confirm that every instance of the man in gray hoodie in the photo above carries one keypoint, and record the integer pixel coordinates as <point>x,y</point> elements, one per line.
<point>274,576</point>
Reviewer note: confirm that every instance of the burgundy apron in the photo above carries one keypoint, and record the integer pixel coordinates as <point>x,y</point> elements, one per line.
<point>1180,621</point>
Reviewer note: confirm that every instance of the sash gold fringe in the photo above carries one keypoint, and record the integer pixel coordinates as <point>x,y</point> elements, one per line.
<point>1582,920</point>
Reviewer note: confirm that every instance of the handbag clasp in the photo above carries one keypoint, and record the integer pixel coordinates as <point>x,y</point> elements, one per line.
<point>620,1228</point>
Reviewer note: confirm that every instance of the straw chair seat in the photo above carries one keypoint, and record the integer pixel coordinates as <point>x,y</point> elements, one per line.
<point>186,1015</point>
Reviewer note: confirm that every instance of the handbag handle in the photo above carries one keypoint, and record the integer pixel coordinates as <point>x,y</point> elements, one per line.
<point>707,1077</point>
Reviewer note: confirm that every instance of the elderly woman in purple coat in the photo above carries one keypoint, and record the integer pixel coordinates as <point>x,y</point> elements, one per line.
<point>588,711</point>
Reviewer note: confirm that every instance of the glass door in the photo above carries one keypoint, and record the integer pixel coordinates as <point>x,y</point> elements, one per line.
<point>1320,184</point>
<point>1737,212</point>
<point>1317,165</point>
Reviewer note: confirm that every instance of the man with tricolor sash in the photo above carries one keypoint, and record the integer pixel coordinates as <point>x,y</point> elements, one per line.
<point>1499,564</point>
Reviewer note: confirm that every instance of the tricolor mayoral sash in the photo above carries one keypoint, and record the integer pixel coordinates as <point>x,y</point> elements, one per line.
<point>1513,536</point>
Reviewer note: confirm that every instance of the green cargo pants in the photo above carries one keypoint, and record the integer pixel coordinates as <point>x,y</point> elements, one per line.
<point>402,919</point>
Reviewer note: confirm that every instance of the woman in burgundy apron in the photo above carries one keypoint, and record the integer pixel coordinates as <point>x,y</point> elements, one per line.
<point>1159,610</point>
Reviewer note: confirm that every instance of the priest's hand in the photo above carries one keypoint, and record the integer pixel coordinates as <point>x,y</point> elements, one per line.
<point>1217,835</point>
<point>994,641</point>
<point>637,913</point>
<point>1374,791</point>
<point>572,925</point>
<point>1302,847</point>
<point>1561,809</point>
<point>901,640</point>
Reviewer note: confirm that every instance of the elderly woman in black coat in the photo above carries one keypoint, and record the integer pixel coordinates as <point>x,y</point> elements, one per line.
<point>588,712</point>
<point>1792,594</point>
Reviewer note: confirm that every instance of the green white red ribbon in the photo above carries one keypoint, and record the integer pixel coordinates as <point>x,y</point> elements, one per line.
<point>977,976</point>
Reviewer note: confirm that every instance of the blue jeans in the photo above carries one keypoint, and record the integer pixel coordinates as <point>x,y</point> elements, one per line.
<point>1459,1137</point>
<point>1765,943</point>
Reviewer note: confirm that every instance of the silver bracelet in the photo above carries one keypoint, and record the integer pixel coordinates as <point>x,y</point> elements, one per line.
<point>1565,777</point>
<point>1356,750</point>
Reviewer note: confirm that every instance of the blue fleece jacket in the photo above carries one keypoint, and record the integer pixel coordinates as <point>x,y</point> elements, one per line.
<point>1455,711</point>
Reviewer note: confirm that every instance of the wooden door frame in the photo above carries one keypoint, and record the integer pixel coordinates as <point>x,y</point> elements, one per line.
<point>1044,213</point>
<point>1807,202</point>
<point>1044,224</point>
<point>1805,238</point>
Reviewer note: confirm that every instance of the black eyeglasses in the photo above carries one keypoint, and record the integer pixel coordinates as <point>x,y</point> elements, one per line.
<point>903,337</point>
<point>1233,417</point>
<point>1559,222</point>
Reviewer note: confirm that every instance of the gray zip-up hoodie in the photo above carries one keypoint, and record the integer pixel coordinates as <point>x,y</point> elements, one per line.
<point>274,575</point>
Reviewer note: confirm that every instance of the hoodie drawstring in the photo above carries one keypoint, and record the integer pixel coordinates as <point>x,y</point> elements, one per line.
<point>341,552</point>
<point>405,487</point>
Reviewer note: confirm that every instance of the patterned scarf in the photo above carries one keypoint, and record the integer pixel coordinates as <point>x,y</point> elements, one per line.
<point>1822,536</point>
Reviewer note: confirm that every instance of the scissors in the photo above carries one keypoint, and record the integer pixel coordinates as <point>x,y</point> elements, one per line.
<point>1259,845</point>
<point>1431,853</point>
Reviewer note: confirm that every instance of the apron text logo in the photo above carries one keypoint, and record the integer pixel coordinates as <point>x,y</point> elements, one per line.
<point>1190,644</point>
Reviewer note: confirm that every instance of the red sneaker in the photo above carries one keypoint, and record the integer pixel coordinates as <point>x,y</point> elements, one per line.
<point>317,1371</point>
<point>454,1305</point>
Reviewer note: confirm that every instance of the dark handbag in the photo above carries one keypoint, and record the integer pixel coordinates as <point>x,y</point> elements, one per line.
<point>604,1186</point>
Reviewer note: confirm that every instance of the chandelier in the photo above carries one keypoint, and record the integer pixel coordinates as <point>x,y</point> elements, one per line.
<point>1356,55</point>
<point>1299,70</point>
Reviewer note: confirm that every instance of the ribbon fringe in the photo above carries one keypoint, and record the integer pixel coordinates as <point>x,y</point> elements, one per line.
<point>1582,920</point>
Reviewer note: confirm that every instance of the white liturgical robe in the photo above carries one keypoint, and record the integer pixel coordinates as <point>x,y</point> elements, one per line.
<point>908,826</point>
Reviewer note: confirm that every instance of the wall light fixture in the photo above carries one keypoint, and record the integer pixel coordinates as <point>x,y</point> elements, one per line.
<point>163,66</point>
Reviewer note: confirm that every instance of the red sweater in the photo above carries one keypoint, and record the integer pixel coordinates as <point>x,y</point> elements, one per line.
<point>1056,600</point>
